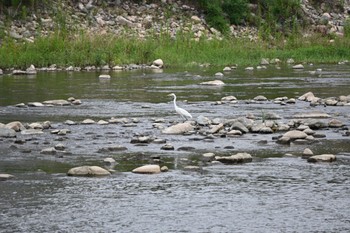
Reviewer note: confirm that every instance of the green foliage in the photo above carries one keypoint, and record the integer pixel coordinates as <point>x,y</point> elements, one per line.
<point>236,10</point>
<point>347,28</point>
<point>279,18</point>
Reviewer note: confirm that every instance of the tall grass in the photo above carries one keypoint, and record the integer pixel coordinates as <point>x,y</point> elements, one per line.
<point>83,50</point>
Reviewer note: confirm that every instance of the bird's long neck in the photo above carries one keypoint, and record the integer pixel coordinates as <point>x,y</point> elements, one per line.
<point>175,101</point>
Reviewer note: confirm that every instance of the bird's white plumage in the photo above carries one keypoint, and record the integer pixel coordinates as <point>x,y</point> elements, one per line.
<point>182,112</point>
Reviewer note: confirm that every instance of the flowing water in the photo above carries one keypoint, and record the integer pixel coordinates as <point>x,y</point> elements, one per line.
<point>273,193</point>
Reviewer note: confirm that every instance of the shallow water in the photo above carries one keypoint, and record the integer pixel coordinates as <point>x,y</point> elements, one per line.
<point>274,193</point>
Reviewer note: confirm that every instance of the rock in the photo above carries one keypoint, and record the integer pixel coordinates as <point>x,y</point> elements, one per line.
<point>88,171</point>
<point>104,76</point>
<point>202,120</point>
<point>109,161</point>
<point>290,61</point>
<point>57,102</point>
<point>158,63</point>
<point>142,139</point>
<point>307,153</point>
<point>69,122</point>
<point>228,98</point>
<point>234,133</point>
<point>112,148</point>
<point>164,169</point>
<point>312,115</point>
<point>5,177</point>
<point>322,158</point>
<point>88,122</point>
<point>15,125</point>
<point>219,74</point>
<point>213,83</point>
<point>49,151</point>
<point>234,159</point>
<point>1,72</point>
<point>60,147</point>
<point>250,68</point>
<point>237,125</point>
<point>36,125</point>
<point>31,131</point>
<point>19,72</point>
<point>334,123</point>
<point>298,66</point>
<point>260,98</point>
<point>7,133</point>
<point>309,96</point>
<point>266,130</point>
<point>102,122</point>
<point>167,147</point>
<point>215,128</point>
<point>295,134</point>
<point>314,123</point>
<point>31,70</point>
<point>192,168</point>
<point>264,61</point>
<point>35,104</point>
<point>147,169</point>
<point>178,128</point>
<point>227,69</point>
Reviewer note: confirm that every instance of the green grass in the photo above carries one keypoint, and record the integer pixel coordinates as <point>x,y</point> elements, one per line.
<point>82,50</point>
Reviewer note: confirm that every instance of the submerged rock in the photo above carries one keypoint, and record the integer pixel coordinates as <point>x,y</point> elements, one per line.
<point>88,171</point>
<point>147,169</point>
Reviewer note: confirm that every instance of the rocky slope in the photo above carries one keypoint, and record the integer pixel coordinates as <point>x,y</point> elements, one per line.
<point>148,19</point>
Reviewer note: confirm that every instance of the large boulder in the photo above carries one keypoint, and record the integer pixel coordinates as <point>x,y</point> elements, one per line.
<point>88,171</point>
<point>7,133</point>
<point>322,158</point>
<point>234,159</point>
<point>147,169</point>
<point>15,125</point>
<point>178,128</point>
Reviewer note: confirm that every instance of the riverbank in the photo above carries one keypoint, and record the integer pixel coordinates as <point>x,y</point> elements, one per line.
<point>107,50</point>
<point>84,33</point>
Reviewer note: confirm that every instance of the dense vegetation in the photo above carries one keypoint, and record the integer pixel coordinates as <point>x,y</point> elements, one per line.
<point>278,19</point>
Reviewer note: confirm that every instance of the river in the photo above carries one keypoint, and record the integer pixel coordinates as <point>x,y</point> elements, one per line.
<point>277,192</point>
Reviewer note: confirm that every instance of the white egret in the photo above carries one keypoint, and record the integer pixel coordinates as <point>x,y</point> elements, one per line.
<point>182,112</point>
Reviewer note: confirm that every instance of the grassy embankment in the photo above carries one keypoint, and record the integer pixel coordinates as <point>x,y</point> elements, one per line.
<point>83,50</point>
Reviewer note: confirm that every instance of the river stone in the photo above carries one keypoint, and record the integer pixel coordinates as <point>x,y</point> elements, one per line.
<point>31,70</point>
<point>102,122</point>
<point>178,128</point>
<point>104,76</point>
<point>70,122</point>
<point>265,130</point>
<point>331,101</point>
<point>5,177</point>
<point>298,66</point>
<point>58,102</point>
<point>249,68</point>
<point>19,72</point>
<point>213,83</point>
<point>234,159</point>
<point>158,63</point>
<point>322,158</point>
<point>295,134</point>
<point>48,151</point>
<point>88,121</point>
<point>1,72</point>
<point>88,171</point>
<point>219,74</point>
<point>7,133</point>
<point>228,98</point>
<point>109,161</point>
<point>226,69</point>
<point>147,169</point>
<point>167,147</point>
<point>112,148</point>
<point>216,128</point>
<point>202,120</point>
<point>31,131</point>
<point>237,125</point>
<point>264,61</point>
<point>315,123</point>
<point>334,123</point>
<point>234,132</point>
<point>307,97</point>
<point>164,169</point>
<point>35,125</point>
<point>15,125</point>
<point>260,98</point>
<point>312,115</point>
<point>60,146</point>
<point>307,153</point>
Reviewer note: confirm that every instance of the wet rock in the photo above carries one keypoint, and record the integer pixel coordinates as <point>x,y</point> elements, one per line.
<point>234,159</point>
<point>48,151</point>
<point>35,125</point>
<point>69,122</point>
<point>307,97</point>
<point>219,74</point>
<point>216,128</point>
<point>104,76</point>
<point>228,98</point>
<point>312,115</point>
<point>109,161</point>
<point>31,70</point>
<point>315,123</point>
<point>147,169</point>
<point>213,83</point>
<point>88,122</point>
<point>295,134</point>
<point>112,148</point>
<point>159,141</point>
<point>15,125</point>
<point>186,148</point>
<point>142,139</point>
<point>35,104</point>
<point>21,105</point>
<point>260,98</point>
<point>234,133</point>
<point>237,125</point>
<point>322,158</point>
<point>164,169</point>
<point>202,120</point>
<point>158,63</point>
<point>7,133</point>
<point>102,122</point>
<point>58,102</point>
<point>31,132</point>
<point>178,128</point>
<point>60,147</point>
<point>167,147</point>
<point>298,66</point>
<point>307,153</point>
<point>4,177</point>
<point>334,123</point>
<point>19,72</point>
<point>88,171</point>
